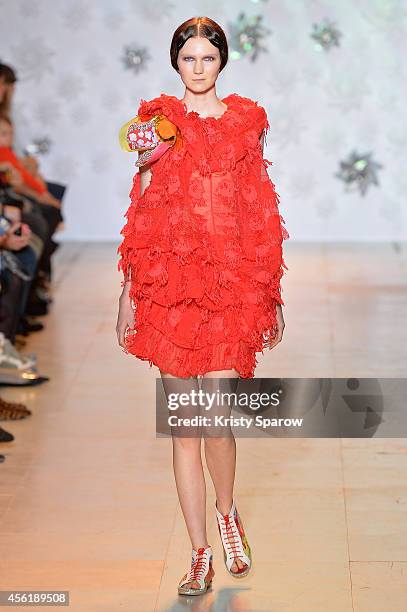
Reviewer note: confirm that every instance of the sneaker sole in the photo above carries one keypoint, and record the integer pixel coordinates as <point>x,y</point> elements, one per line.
<point>182,591</point>
<point>17,379</point>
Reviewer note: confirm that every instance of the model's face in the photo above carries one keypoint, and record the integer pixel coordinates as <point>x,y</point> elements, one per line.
<point>6,134</point>
<point>198,63</point>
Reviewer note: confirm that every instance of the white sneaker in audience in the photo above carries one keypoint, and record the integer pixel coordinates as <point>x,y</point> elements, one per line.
<point>11,358</point>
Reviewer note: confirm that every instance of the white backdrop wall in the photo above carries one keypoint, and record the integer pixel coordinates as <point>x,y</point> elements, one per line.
<point>74,88</point>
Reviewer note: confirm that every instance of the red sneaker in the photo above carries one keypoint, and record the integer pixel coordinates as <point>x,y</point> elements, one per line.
<point>201,573</point>
<point>235,544</point>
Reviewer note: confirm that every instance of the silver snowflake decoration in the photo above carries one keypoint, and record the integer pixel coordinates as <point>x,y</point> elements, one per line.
<point>245,36</point>
<point>326,35</point>
<point>39,146</point>
<point>135,58</point>
<point>358,172</point>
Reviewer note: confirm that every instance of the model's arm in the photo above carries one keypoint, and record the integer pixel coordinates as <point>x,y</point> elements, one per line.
<point>145,178</point>
<point>270,343</point>
<point>125,317</point>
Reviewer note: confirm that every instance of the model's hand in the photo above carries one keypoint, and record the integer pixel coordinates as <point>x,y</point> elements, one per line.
<point>125,317</point>
<point>272,342</point>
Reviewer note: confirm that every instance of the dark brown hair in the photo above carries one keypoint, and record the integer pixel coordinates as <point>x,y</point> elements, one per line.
<point>8,75</point>
<point>199,26</point>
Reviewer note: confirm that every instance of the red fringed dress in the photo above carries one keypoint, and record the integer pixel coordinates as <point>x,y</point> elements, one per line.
<point>203,244</point>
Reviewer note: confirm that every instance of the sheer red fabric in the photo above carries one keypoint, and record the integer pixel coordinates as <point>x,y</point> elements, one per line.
<point>203,244</point>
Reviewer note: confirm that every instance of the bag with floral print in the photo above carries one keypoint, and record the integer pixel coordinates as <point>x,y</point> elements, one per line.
<point>151,137</point>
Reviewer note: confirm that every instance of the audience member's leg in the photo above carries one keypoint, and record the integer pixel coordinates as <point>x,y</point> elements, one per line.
<point>37,223</point>
<point>53,217</point>
<point>28,260</point>
<point>11,293</point>
<point>56,189</point>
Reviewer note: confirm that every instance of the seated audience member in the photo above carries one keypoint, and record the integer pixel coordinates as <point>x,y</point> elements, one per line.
<point>18,262</point>
<point>43,204</point>
<point>8,80</point>
<point>17,267</point>
<point>31,185</point>
<point>48,208</point>
<point>11,207</point>
<point>23,238</point>
<point>15,367</point>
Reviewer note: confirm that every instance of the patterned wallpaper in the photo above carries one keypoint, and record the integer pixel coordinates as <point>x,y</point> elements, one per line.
<point>329,93</point>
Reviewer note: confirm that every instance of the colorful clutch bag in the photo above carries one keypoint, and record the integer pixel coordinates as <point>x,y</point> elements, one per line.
<point>151,137</point>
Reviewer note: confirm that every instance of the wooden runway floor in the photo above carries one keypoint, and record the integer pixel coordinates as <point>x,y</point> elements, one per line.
<point>87,495</point>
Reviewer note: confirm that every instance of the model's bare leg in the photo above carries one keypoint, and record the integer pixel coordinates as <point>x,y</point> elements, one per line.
<point>187,463</point>
<point>220,446</point>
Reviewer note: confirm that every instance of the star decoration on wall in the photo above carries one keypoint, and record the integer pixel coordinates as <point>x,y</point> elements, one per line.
<point>359,172</point>
<point>326,35</point>
<point>245,36</point>
<point>39,146</point>
<point>135,58</point>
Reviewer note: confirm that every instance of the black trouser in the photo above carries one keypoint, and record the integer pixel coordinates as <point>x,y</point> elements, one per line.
<point>43,219</point>
<point>15,290</point>
<point>12,289</point>
<point>37,222</point>
<point>53,217</point>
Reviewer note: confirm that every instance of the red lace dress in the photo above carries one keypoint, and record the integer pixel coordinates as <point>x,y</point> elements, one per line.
<point>203,244</point>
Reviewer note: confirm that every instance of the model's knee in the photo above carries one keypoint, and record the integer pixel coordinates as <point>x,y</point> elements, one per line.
<point>218,442</point>
<point>187,444</point>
